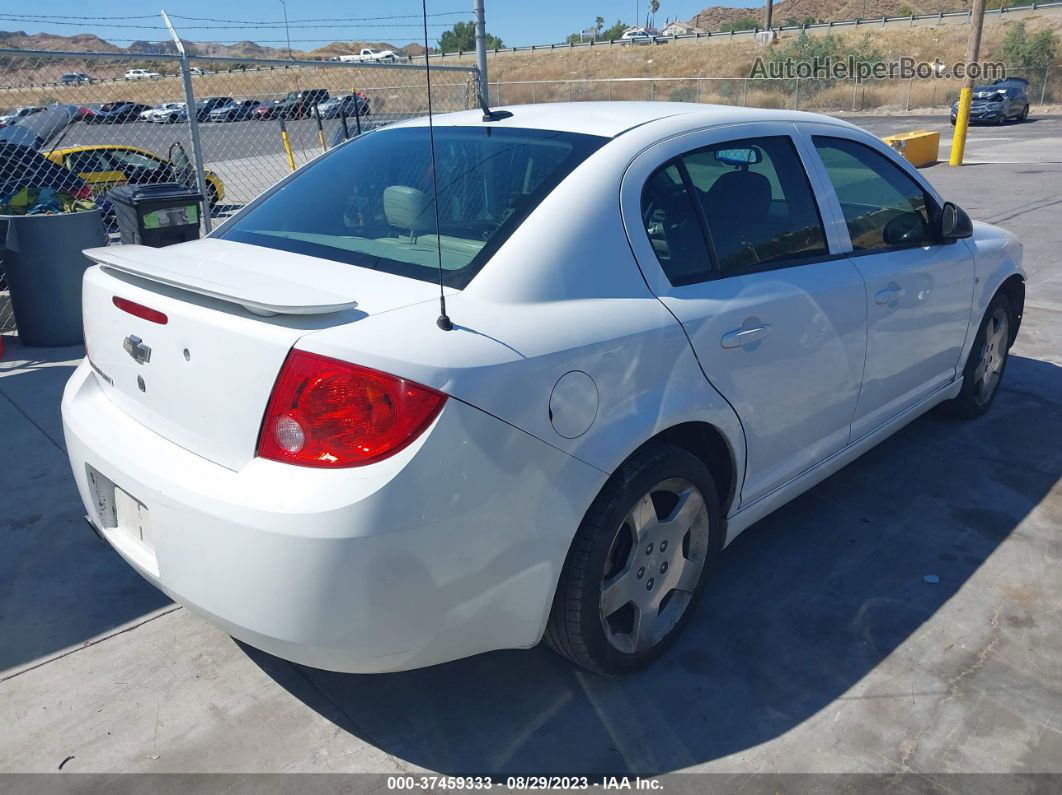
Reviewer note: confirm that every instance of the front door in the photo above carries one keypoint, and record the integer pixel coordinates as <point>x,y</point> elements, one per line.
<point>918,289</point>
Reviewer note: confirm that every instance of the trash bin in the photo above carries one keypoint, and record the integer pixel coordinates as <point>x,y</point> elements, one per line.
<point>157,215</point>
<point>44,265</point>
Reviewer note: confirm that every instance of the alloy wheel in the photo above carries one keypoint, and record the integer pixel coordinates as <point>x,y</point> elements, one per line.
<point>653,566</point>
<point>993,355</point>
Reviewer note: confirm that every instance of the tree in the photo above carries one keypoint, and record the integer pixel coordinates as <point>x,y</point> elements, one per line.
<point>599,24</point>
<point>463,38</point>
<point>654,6</point>
<point>745,23</point>
<point>1022,51</point>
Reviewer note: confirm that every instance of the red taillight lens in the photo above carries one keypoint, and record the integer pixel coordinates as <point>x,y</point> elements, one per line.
<point>84,192</point>
<point>141,311</point>
<point>328,413</point>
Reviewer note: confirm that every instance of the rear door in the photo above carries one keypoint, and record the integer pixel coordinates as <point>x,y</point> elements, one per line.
<point>727,229</point>
<point>918,289</point>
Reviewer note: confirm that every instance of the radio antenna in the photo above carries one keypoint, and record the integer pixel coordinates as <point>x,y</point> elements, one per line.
<point>443,321</point>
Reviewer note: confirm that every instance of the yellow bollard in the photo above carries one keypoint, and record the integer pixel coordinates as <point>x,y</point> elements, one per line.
<point>962,121</point>
<point>287,144</point>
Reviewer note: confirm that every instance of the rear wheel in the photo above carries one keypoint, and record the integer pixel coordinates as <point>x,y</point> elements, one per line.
<point>212,196</point>
<point>1024,115</point>
<point>637,563</point>
<point>984,368</point>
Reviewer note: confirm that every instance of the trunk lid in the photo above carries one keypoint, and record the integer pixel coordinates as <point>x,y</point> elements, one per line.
<point>233,311</point>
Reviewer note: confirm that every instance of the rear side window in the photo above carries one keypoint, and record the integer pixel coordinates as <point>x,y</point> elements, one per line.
<point>371,202</point>
<point>751,201</point>
<point>883,207</point>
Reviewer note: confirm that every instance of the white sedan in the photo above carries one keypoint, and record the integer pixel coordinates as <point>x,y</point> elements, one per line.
<point>662,321</point>
<point>166,113</point>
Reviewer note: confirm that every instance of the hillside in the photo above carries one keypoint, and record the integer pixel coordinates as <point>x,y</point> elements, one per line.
<point>714,17</point>
<point>88,42</point>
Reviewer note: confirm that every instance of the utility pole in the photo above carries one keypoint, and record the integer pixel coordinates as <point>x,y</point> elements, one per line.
<point>192,112</point>
<point>287,33</point>
<point>481,51</point>
<point>973,52</point>
<point>768,15</point>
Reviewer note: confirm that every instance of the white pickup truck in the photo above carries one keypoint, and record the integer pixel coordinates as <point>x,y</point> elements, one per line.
<point>370,55</point>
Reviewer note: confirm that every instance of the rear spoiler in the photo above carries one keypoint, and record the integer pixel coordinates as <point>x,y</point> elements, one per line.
<point>255,279</point>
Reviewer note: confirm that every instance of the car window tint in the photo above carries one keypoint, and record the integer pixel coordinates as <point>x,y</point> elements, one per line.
<point>877,198</point>
<point>371,201</point>
<point>759,213</point>
<point>670,221</point>
<point>86,162</point>
<point>124,158</point>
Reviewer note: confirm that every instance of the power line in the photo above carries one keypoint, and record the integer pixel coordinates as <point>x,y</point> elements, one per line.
<point>325,19</point>
<point>276,26</point>
<point>51,18</point>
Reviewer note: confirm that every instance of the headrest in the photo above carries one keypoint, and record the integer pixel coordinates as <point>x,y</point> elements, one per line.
<point>738,194</point>
<point>408,208</point>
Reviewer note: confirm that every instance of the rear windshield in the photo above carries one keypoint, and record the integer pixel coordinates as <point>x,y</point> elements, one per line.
<point>370,202</point>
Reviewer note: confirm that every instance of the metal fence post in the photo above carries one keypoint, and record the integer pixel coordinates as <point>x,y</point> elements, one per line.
<point>1043,91</point>
<point>910,85</point>
<point>193,124</point>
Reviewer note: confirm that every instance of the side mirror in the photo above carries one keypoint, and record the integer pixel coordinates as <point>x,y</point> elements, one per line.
<point>954,222</point>
<point>905,229</point>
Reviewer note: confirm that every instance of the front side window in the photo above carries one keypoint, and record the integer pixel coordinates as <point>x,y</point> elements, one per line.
<point>883,207</point>
<point>371,202</point>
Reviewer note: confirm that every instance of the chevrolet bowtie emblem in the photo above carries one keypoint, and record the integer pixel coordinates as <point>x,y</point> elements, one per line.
<point>136,348</point>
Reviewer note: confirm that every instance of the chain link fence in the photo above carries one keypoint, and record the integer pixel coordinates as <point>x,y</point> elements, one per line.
<point>824,95</point>
<point>245,123</point>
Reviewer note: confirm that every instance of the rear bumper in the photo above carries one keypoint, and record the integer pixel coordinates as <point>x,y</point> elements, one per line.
<point>450,548</point>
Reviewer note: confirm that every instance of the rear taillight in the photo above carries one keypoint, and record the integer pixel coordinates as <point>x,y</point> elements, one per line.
<point>84,192</point>
<point>328,413</point>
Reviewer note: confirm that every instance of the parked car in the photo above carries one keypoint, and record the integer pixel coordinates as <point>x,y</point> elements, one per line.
<point>18,113</point>
<point>996,103</point>
<point>372,55</point>
<point>237,111</point>
<point>75,78</point>
<point>162,112</point>
<point>117,113</point>
<point>348,104</point>
<point>141,74</point>
<point>204,106</point>
<point>195,71</point>
<point>166,113</point>
<point>662,322</point>
<point>636,36</point>
<point>106,166</point>
<point>22,165</point>
<point>295,104</point>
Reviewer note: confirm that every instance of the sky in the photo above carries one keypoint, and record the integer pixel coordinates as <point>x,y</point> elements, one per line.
<point>517,22</point>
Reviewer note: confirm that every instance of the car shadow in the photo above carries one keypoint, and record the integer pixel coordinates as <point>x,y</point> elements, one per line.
<point>802,606</point>
<point>60,586</point>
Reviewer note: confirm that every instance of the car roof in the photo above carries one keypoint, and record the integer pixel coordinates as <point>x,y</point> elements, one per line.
<point>610,119</point>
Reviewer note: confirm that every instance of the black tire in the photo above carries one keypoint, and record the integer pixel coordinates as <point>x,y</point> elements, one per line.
<point>576,627</point>
<point>212,196</point>
<point>972,401</point>
<point>1024,115</point>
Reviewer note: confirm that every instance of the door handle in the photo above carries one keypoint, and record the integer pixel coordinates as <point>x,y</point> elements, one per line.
<point>889,295</point>
<point>744,336</point>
